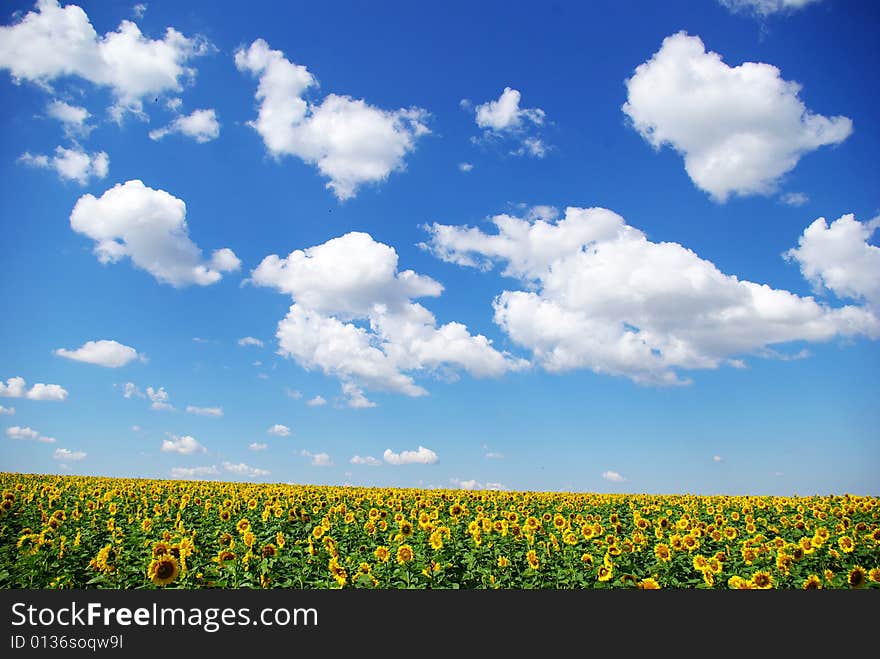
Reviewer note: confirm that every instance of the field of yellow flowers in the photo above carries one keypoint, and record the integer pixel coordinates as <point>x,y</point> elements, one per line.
<point>85,532</point>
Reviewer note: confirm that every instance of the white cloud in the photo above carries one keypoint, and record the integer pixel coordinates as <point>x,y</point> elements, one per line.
<point>149,226</point>
<point>839,258</point>
<point>258,446</point>
<point>55,42</point>
<point>368,460</point>
<point>764,8</point>
<point>139,10</point>
<point>17,388</point>
<point>136,428</point>
<point>465,166</point>
<point>473,484</point>
<point>71,164</point>
<point>348,140</point>
<point>250,341</point>
<point>72,117</point>
<point>738,128</point>
<point>293,393</point>
<point>717,458</point>
<point>354,278</point>
<point>194,472</point>
<point>205,411</point>
<point>613,476</point>
<point>110,354</point>
<point>317,401</point>
<point>130,389</point>
<point>8,411</point>
<point>493,455</point>
<point>159,399</point>
<point>17,432</point>
<point>318,459</point>
<point>200,125</point>
<point>506,114</point>
<point>794,199</point>
<point>279,430</point>
<point>185,445</point>
<point>67,455</point>
<point>421,455</point>
<point>244,470</point>
<point>600,295</point>
<point>505,118</point>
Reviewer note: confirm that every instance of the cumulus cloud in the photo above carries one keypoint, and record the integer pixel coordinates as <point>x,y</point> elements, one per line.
<point>613,477</point>
<point>204,411</point>
<point>148,226</point>
<point>794,199</point>
<point>493,455</point>
<point>200,125</point>
<point>72,117</point>
<point>764,8</point>
<point>739,129</point>
<point>317,401</point>
<point>717,458</point>
<point>250,341</point>
<point>189,473</point>
<point>465,167</point>
<point>241,469</point>
<point>185,445</point>
<point>839,258</point>
<point>503,118</point>
<point>66,455</point>
<point>368,460</point>
<point>17,432</point>
<point>56,42</point>
<point>17,388</point>
<point>8,411</point>
<point>110,354</point>
<point>318,459</point>
<point>130,390</point>
<point>350,141</point>
<point>257,446</point>
<point>421,455</point>
<point>159,399</point>
<point>355,278</point>
<point>279,430</point>
<point>71,164</point>
<point>293,393</point>
<point>473,484</point>
<point>597,294</point>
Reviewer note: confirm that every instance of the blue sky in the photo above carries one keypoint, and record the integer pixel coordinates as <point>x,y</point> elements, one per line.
<point>592,247</point>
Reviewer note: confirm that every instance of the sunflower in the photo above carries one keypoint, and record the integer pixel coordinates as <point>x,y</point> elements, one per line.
<point>226,540</point>
<point>762,580</point>
<point>858,576</point>
<point>532,558</point>
<point>161,548</point>
<point>404,554</point>
<point>629,580</point>
<point>163,570</point>
<point>874,575</point>
<point>605,573</point>
<point>700,563</point>
<point>846,544</point>
<point>224,515</point>
<point>738,583</point>
<point>662,553</point>
<point>812,583</point>
<point>436,540</point>
<point>269,551</point>
<point>649,584</point>
<point>243,525</point>
<point>225,555</point>
<point>317,532</point>
<point>503,562</point>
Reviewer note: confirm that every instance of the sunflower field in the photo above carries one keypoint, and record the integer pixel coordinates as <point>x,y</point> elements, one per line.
<point>89,532</point>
